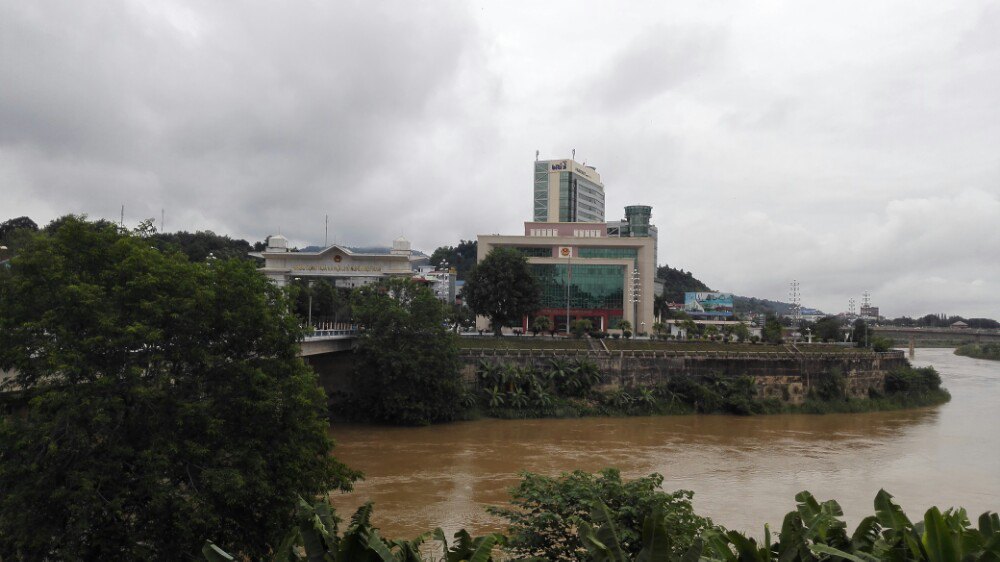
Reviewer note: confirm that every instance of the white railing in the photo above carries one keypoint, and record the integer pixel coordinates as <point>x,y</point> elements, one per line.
<point>326,332</point>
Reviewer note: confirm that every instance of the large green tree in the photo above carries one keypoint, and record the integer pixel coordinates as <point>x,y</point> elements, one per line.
<point>166,405</point>
<point>407,359</point>
<point>502,288</point>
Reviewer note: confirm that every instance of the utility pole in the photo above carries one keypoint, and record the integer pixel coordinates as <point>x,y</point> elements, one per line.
<point>569,281</point>
<point>796,300</point>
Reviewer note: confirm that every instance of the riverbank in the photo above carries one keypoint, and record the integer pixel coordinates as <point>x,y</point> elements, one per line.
<point>640,403</point>
<point>989,351</point>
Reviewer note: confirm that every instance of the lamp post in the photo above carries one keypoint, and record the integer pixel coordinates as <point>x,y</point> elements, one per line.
<point>309,289</point>
<point>635,298</point>
<point>569,281</point>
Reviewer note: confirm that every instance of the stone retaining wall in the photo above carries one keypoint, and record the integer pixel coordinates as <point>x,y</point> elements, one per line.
<point>786,376</point>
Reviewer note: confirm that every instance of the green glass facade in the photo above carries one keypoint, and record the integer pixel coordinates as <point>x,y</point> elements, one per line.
<point>614,253</point>
<point>591,286</point>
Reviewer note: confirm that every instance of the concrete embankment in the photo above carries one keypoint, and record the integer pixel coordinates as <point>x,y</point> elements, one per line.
<point>784,374</point>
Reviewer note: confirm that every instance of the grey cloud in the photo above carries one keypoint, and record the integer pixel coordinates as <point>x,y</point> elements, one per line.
<point>256,110</point>
<point>659,59</point>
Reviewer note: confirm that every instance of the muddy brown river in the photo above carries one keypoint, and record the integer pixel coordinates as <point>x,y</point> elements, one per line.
<point>744,471</point>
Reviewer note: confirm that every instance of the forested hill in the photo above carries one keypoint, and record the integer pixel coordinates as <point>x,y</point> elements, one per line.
<point>747,305</point>
<point>677,282</point>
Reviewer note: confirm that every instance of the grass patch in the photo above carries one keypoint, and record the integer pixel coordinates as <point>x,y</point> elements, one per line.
<point>901,401</point>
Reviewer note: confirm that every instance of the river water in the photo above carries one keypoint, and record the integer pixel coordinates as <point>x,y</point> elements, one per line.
<point>744,471</point>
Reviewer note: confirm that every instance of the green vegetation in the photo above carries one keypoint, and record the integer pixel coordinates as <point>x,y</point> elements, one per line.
<point>980,351</point>
<point>329,303</point>
<point>561,388</point>
<point>502,288</point>
<point>541,324</point>
<point>461,257</point>
<point>676,282</point>
<point>407,361</point>
<point>165,403</point>
<point>547,513</point>
<point>601,518</point>
<point>315,536</point>
<point>772,331</point>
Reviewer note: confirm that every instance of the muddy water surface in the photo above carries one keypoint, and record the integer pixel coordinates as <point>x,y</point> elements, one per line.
<point>744,470</point>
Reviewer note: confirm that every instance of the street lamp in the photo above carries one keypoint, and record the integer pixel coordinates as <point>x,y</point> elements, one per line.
<point>635,297</point>
<point>309,287</point>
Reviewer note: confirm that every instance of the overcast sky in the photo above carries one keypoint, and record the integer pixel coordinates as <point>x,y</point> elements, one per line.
<point>853,146</point>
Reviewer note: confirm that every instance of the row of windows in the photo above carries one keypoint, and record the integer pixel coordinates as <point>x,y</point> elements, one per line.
<point>610,253</point>
<point>587,233</point>
<point>535,252</point>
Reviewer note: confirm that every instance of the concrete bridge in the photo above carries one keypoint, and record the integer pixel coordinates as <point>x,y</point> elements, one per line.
<point>937,336</point>
<point>320,342</point>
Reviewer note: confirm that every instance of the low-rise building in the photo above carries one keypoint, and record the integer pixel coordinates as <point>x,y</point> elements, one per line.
<point>346,267</point>
<point>584,273</point>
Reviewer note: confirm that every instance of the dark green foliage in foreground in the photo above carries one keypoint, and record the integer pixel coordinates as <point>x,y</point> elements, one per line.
<point>980,351</point>
<point>316,537</point>
<point>600,518</point>
<point>547,512</point>
<point>815,532</point>
<point>407,367</point>
<point>167,403</point>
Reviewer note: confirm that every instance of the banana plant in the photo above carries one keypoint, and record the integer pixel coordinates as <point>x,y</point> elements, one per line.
<point>495,397</point>
<point>314,538</point>
<point>467,548</point>
<point>518,399</point>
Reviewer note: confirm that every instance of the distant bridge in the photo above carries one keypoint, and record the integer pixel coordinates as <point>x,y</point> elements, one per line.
<point>952,336</point>
<point>320,342</point>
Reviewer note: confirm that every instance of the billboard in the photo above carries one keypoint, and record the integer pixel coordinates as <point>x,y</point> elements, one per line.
<point>709,304</point>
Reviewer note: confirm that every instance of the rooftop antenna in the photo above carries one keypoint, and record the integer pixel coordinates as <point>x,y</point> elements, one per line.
<point>536,155</point>
<point>574,154</point>
<point>326,233</point>
<point>121,223</point>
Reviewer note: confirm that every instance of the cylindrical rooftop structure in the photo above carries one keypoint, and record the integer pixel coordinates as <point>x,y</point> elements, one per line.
<point>638,219</point>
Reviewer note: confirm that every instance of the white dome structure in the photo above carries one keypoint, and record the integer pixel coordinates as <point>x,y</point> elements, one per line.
<point>401,247</point>
<point>277,243</point>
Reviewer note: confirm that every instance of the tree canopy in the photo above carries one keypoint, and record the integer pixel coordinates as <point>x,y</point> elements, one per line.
<point>461,257</point>
<point>407,359</point>
<point>502,288</point>
<point>167,403</point>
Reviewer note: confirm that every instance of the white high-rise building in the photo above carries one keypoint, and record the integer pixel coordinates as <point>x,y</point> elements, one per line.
<point>567,191</point>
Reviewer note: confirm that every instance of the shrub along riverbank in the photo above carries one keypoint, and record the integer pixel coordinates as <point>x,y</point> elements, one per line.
<point>980,351</point>
<point>601,518</point>
<point>564,389</point>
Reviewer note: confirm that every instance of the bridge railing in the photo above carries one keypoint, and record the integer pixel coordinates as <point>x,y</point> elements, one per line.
<point>341,331</point>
